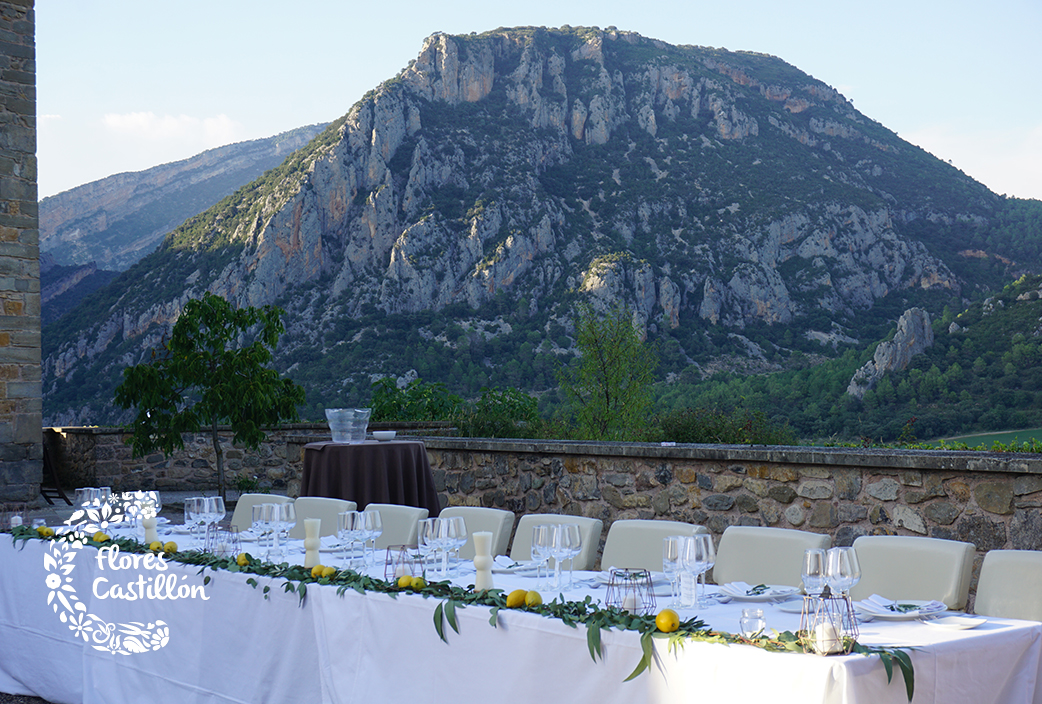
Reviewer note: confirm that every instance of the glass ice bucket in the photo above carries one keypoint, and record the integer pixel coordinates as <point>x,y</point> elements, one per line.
<point>348,424</point>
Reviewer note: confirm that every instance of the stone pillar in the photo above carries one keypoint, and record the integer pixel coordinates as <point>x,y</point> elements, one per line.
<point>21,407</point>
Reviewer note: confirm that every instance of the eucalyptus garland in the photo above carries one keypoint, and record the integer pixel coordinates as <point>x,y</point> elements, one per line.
<point>594,617</point>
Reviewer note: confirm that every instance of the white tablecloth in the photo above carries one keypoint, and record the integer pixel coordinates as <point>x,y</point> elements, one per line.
<point>236,646</point>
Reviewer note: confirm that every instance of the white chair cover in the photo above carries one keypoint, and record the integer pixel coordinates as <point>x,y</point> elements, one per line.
<point>763,555</point>
<point>909,567</point>
<point>319,507</point>
<point>401,524</point>
<point>590,528</point>
<point>478,518</point>
<point>1009,585</point>
<point>637,543</point>
<point>242,516</point>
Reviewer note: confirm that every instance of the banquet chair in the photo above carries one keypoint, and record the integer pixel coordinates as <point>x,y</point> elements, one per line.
<point>1008,585</point>
<point>242,516</point>
<point>401,524</point>
<point>319,507</point>
<point>637,543</point>
<point>909,567</point>
<point>763,555</point>
<point>478,518</point>
<point>590,528</point>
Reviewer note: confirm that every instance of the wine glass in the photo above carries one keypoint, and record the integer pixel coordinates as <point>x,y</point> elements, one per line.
<point>842,570</point>
<point>542,545</point>
<point>560,551</point>
<point>707,558</point>
<point>574,543</point>
<point>672,565</point>
<point>426,538</point>
<point>351,529</point>
<point>813,571</point>
<point>287,516</point>
<point>457,537</point>
<point>215,509</point>
<point>269,521</point>
<point>692,558</point>
<point>260,522</point>
<point>374,528</point>
<point>194,511</point>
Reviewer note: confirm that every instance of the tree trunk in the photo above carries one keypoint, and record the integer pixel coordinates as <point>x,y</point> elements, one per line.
<point>220,461</point>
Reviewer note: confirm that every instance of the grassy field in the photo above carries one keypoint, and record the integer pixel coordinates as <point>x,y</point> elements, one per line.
<point>988,439</point>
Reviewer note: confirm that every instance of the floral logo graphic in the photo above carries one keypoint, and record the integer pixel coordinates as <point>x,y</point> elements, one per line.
<point>59,562</point>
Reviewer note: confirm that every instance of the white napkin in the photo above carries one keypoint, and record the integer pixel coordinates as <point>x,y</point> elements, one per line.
<point>504,562</point>
<point>877,604</point>
<point>736,588</point>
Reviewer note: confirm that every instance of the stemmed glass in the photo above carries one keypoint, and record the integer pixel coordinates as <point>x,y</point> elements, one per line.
<point>287,517</point>
<point>542,545</point>
<point>673,565</point>
<point>261,515</point>
<point>215,510</point>
<point>457,537</point>
<point>574,543</point>
<point>813,571</point>
<point>195,508</point>
<point>842,570</point>
<point>706,559</point>
<point>351,529</point>
<point>374,528</point>
<point>427,537</point>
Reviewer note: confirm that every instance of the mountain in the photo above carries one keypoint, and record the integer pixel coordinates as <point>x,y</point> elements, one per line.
<point>117,220</point>
<point>446,226</point>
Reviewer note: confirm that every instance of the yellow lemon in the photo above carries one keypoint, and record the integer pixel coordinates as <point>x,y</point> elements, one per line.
<point>170,547</point>
<point>516,598</point>
<point>45,531</point>
<point>242,559</point>
<point>405,581</point>
<point>100,537</point>
<point>328,571</point>
<point>419,582</point>
<point>156,546</point>
<point>533,598</point>
<point>667,620</point>
<point>316,571</point>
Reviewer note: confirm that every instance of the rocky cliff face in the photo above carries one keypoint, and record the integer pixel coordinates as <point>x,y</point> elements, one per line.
<point>913,336</point>
<point>116,221</point>
<point>702,188</point>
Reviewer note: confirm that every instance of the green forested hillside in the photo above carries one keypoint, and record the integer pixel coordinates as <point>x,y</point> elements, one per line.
<point>983,372</point>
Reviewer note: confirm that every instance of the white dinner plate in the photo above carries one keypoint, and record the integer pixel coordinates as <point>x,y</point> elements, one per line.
<point>774,591</point>
<point>956,623</point>
<point>519,567</point>
<point>181,530</point>
<point>792,606</point>
<point>911,615</point>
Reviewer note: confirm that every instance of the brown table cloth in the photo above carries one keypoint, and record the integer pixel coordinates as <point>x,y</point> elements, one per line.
<point>395,472</point>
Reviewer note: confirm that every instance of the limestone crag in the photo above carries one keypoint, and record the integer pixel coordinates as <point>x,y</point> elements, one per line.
<point>914,335</point>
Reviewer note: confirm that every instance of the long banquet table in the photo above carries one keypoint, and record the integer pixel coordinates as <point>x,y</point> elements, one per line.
<point>238,646</point>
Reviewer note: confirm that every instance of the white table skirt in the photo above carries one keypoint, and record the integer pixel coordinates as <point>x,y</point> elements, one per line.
<point>237,646</point>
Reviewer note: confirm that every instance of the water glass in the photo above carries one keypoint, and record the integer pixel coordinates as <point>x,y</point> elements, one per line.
<point>752,623</point>
<point>374,528</point>
<point>457,538</point>
<point>350,528</point>
<point>261,516</point>
<point>573,540</point>
<point>813,571</point>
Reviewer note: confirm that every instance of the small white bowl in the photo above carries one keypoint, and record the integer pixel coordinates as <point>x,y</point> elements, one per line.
<point>384,435</point>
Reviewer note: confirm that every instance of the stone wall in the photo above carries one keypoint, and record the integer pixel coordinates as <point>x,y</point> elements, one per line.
<point>21,408</point>
<point>992,500</point>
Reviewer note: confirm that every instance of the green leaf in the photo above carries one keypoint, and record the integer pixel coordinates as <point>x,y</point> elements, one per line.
<point>439,622</point>
<point>493,618</point>
<point>648,647</point>
<point>904,661</point>
<point>593,639</point>
<point>450,613</point>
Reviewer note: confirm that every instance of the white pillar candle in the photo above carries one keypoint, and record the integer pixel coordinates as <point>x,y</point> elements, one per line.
<point>629,602</point>
<point>482,560</point>
<point>16,521</point>
<point>149,524</point>
<point>827,638</point>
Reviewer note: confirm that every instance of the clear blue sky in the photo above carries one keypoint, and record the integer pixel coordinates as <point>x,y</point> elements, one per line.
<point>124,85</point>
